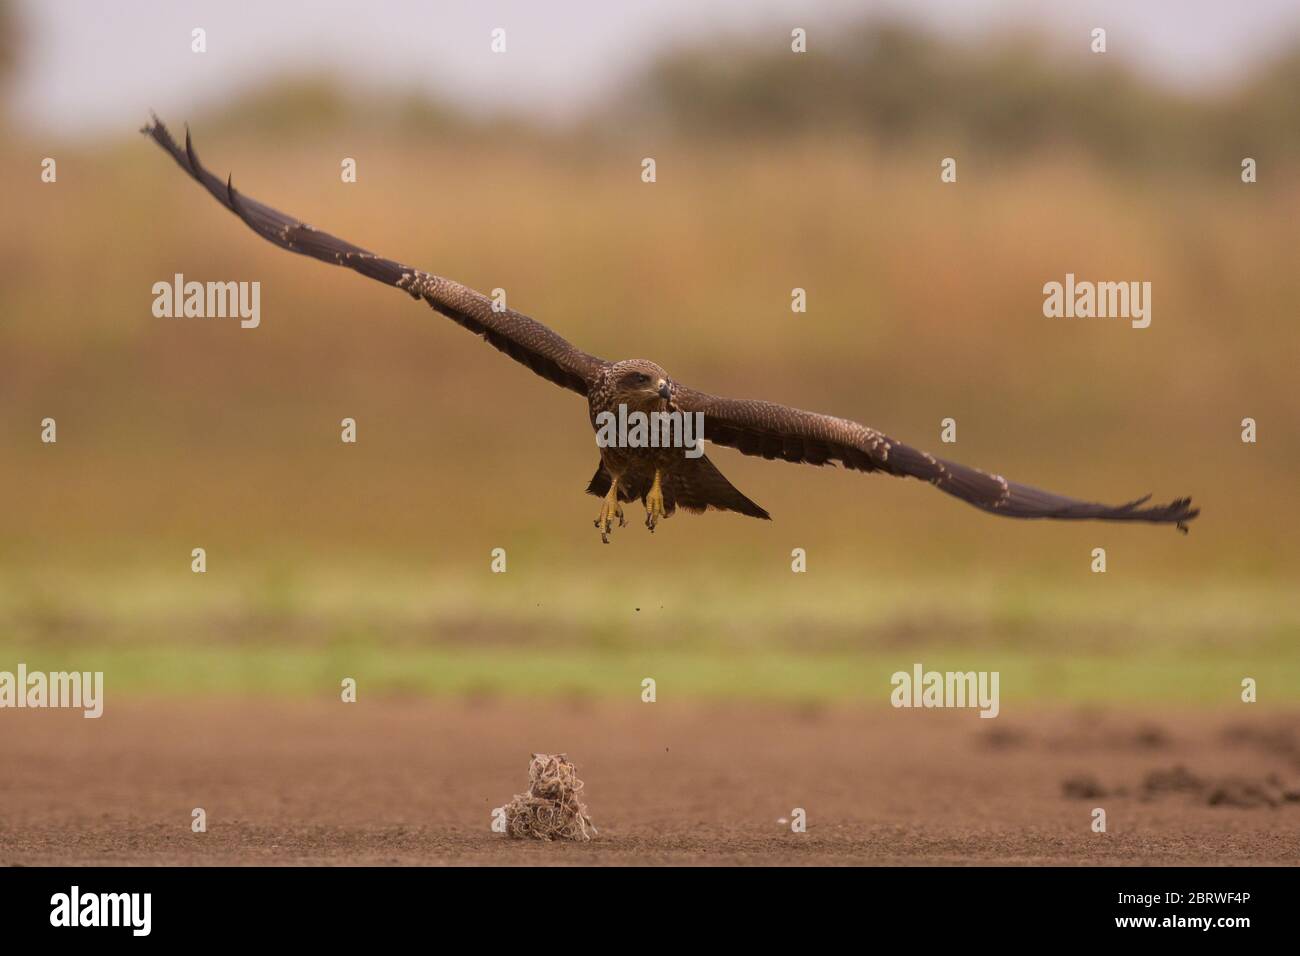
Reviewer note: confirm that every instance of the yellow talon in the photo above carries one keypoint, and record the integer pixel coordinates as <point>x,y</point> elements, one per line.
<point>654,504</point>
<point>609,510</point>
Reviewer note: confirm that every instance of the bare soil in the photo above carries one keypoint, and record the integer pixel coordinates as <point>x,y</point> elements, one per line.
<point>414,782</point>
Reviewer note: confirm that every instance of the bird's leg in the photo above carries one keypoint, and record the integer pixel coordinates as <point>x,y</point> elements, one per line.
<point>654,504</point>
<point>609,510</point>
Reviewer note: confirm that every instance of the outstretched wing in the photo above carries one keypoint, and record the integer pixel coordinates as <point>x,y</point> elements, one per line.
<point>779,431</point>
<point>525,340</point>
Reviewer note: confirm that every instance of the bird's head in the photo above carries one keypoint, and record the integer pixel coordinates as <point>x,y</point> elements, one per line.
<point>641,385</point>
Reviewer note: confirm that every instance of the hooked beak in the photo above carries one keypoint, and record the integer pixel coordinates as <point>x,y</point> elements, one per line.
<point>665,391</point>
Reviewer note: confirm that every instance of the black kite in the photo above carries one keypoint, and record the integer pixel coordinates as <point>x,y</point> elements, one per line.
<point>666,478</point>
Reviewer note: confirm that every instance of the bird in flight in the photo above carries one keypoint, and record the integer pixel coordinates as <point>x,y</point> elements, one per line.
<point>666,478</point>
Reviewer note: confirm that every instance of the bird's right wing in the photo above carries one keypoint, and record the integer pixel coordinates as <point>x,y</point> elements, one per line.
<point>525,340</point>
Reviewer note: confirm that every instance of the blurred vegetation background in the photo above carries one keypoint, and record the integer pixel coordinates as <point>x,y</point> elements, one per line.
<point>774,171</point>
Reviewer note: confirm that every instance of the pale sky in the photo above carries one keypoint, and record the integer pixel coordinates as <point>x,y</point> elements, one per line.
<point>91,66</point>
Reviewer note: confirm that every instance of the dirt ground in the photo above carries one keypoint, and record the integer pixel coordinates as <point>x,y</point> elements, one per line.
<point>415,782</point>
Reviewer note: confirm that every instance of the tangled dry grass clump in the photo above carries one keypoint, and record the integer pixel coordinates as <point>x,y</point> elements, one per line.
<point>552,808</point>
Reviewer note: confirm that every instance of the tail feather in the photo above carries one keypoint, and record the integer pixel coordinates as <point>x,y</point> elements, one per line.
<point>695,486</point>
<point>699,485</point>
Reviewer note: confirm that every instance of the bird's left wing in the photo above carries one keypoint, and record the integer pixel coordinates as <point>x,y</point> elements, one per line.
<point>770,431</point>
<point>525,340</point>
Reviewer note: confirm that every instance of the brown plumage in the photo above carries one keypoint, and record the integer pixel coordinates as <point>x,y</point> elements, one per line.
<point>666,478</point>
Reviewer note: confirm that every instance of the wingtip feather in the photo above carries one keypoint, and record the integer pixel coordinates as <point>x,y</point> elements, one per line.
<point>235,202</point>
<point>190,154</point>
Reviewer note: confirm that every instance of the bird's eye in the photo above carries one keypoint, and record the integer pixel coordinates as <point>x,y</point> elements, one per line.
<point>641,378</point>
